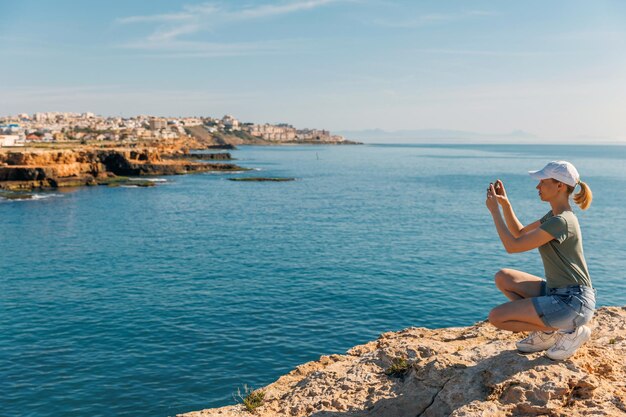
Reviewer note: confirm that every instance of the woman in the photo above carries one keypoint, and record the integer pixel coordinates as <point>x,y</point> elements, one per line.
<point>555,309</point>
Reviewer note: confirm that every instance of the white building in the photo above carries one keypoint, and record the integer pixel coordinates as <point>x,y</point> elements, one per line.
<point>230,122</point>
<point>40,117</point>
<point>274,133</point>
<point>9,140</point>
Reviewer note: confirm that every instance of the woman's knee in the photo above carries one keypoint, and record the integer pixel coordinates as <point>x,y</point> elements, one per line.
<point>503,278</point>
<point>495,318</point>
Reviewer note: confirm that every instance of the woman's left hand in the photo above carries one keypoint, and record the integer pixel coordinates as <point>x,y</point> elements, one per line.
<point>492,201</point>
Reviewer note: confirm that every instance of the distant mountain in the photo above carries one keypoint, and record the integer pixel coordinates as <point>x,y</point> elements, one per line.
<point>436,135</point>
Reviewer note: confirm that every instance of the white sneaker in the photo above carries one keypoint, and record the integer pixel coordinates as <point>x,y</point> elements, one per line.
<point>568,343</point>
<point>537,341</point>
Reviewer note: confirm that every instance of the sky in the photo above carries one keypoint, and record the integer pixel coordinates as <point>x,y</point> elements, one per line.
<point>555,69</point>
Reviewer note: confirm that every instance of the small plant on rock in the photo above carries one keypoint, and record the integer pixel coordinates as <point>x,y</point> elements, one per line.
<point>250,398</point>
<point>399,367</point>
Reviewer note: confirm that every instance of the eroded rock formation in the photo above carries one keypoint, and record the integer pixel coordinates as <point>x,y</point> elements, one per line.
<point>42,168</point>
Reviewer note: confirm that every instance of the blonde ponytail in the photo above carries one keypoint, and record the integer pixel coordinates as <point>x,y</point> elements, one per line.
<point>584,196</point>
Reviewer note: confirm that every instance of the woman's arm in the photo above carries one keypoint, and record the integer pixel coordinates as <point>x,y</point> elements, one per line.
<point>527,241</point>
<point>514,225</point>
<point>516,228</point>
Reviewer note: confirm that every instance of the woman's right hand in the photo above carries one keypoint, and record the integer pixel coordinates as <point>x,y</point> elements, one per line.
<point>501,193</point>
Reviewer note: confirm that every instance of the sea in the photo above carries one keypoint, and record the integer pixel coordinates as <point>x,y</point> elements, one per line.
<point>162,300</point>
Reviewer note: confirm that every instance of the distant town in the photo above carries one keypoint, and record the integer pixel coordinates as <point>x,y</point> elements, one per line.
<point>23,129</point>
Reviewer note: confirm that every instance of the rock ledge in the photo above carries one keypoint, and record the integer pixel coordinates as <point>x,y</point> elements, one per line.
<point>459,372</point>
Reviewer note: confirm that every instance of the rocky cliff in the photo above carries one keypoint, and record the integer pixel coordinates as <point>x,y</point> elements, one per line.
<point>51,168</point>
<point>470,371</point>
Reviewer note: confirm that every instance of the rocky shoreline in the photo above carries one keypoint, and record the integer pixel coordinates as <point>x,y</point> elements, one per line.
<point>29,169</point>
<point>69,164</point>
<point>459,372</point>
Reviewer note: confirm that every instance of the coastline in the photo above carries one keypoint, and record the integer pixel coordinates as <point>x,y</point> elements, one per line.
<point>465,371</point>
<point>28,170</point>
<point>53,166</point>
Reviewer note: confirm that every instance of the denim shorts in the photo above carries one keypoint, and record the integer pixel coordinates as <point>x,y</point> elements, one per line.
<point>565,308</point>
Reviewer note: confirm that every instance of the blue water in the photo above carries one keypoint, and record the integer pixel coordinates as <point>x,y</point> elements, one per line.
<point>157,301</point>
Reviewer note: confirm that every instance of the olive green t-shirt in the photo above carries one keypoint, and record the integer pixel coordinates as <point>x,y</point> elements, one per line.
<point>563,258</point>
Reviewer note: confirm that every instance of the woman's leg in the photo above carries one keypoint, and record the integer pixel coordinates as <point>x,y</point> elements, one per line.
<point>518,316</point>
<point>517,285</point>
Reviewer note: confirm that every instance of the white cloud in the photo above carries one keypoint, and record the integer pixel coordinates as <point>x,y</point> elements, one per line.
<point>189,12</point>
<point>155,18</point>
<point>170,34</point>
<point>274,10</point>
<point>192,19</point>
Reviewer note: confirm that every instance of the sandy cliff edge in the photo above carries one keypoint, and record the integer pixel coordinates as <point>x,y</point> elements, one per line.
<point>459,372</point>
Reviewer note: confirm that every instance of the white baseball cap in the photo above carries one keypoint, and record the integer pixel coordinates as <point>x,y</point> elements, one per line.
<point>559,170</point>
